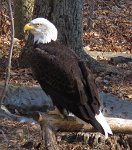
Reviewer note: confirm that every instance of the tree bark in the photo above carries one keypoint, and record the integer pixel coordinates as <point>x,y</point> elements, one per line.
<point>23,11</point>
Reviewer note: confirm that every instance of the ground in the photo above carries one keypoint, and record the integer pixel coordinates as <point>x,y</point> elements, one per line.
<point>15,136</point>
<point>111,32</point>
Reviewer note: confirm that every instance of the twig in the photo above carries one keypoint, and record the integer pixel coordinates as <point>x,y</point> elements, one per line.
<point>10,54</point>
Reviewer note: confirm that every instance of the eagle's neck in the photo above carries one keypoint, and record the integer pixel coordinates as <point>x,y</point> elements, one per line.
<point>42,38</point>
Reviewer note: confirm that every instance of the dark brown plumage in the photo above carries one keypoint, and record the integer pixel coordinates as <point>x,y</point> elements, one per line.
<point>67,79</point>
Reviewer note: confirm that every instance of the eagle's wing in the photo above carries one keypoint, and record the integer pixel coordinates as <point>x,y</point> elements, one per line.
<point>59,78</point>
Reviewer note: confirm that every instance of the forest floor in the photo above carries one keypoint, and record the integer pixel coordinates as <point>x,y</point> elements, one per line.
<point>111,33</point>
<point>21,136</point>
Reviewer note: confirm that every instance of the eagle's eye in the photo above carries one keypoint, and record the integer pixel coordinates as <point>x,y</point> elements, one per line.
<point>38,24</point>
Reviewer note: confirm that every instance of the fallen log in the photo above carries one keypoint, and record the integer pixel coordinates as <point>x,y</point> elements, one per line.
<point>74,124</point>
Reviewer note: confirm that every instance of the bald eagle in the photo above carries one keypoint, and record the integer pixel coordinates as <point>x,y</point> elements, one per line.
<point>64,76</point>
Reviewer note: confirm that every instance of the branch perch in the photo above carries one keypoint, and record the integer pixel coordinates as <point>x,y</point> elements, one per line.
<point>117,125</point>
<point>10,54</point>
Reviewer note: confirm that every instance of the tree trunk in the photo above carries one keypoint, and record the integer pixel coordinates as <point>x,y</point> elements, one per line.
<point>23,11</point>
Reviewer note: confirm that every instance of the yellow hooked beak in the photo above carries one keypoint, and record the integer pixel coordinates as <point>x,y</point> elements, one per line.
<point>28,27</point>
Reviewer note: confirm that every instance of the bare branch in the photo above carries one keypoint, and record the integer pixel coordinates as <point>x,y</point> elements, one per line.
<point>10,54</point>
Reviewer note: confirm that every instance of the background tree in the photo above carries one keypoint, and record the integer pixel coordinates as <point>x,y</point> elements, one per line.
<point>23,11</point>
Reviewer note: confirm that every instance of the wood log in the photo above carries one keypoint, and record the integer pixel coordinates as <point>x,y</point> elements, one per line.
<point>119,125</point>
<point>74,124</point>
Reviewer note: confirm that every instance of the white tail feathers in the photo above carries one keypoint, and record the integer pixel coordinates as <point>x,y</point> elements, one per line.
<point>101,119</point>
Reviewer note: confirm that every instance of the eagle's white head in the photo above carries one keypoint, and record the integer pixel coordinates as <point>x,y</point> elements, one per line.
<point>42,29</point>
